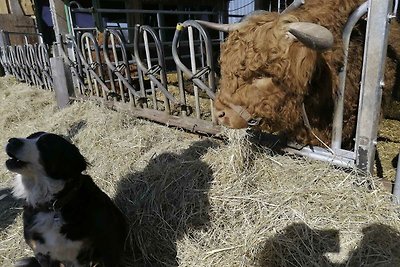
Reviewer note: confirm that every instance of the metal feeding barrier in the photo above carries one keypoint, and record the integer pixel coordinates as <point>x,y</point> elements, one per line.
<point>136,76</point>
<point>28,62</point>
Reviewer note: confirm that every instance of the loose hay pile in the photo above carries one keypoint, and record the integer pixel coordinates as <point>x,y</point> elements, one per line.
<point>196,201</point>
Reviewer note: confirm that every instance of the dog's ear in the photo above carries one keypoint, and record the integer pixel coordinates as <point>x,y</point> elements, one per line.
<point>60,158</point>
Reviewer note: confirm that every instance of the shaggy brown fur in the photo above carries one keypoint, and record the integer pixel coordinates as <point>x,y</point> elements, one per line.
<point>271,74</point>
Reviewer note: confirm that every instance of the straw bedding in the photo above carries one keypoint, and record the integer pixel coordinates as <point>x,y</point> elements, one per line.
<point>195,201</point>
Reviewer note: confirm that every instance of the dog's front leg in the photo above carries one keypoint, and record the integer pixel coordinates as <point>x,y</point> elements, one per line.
<point>27,262</point>
<point>39,260</point>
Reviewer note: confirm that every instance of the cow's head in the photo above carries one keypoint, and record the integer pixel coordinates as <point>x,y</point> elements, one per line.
<point>267,64</point>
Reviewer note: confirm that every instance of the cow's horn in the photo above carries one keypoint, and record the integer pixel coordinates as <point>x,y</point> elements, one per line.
<point>221,27</point>
<point>312,35</point>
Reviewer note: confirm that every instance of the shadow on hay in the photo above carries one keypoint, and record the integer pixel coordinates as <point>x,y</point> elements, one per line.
<point>164,201</point>
<point>75,128</point>
<point>10,208</point>
<point>380,246</point>
<point>299,245</point>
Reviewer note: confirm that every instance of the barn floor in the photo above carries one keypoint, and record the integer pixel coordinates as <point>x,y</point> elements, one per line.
<point>195,201</point>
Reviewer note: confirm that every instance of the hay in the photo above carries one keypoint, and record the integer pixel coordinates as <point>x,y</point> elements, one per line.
<point>195,201</point>
<point>388,146</point>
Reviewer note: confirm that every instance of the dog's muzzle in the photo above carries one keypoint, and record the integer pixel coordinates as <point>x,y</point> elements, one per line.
<point>12,148</point>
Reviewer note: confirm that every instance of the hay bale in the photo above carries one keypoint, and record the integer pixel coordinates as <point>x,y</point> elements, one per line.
<point>195,201</point>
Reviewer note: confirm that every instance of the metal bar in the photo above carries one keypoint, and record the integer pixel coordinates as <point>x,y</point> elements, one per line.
<point>341,158</point>
<point>147,52</point>
<point>175,44</point>
<point>10,53</point>
<point>160,68</point>
<point>142,11</point>
<point>85,44</point>
<point>128,28</point>
<point>182,93</point>
<point>194,70</point>
<point>127,81</point>
<point>86,68</point>
<point>372,82</point>
<point>295,4</point>
<point>396,6</point>
<point>23,33</point>
<point>160,23</point>
<point>86,39</point>
<point>337,125</point>
<point>220,33</point>
<point>114,52</point>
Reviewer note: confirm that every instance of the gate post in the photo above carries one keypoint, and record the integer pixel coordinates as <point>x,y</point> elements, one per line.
<point>372,83</point>
<point>62,81</point>
<point>3,46</point>
<point>62,76</point>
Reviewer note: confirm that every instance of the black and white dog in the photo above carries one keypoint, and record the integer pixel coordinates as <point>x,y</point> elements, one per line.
<point>68,220</point>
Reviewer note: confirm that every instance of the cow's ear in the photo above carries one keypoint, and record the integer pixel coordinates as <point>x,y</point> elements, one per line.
<point>311,35</point>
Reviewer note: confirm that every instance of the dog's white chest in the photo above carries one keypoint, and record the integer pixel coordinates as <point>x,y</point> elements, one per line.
<point>55,244</point>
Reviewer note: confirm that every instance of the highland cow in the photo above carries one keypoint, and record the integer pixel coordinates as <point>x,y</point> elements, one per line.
<point>278,71</point>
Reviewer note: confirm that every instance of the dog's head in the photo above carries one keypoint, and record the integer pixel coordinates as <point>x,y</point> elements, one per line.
<point>44,154</point>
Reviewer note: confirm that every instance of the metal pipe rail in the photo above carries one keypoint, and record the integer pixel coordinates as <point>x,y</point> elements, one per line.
<point>11,59</point>
<point>74,65</point>
<point>88,43</point>
<point>142,11</point>
<point>126,81</point>
<point>87,68</point>
<point>193,75</point>
<point>295,4</point>
<point>339,157</point>
<point>151,70</point>
<point>43,62</point>
<point>28,63</point>
<point>32,65</point>
<point>21,63</point>
<point>337,124</point>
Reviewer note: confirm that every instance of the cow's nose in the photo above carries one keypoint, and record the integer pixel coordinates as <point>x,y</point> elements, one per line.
<point>220,114</point>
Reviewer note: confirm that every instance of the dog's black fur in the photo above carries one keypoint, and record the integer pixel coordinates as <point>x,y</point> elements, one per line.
<point>68,220</point>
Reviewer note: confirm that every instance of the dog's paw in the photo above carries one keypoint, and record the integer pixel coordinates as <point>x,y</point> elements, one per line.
<point>27,262</point>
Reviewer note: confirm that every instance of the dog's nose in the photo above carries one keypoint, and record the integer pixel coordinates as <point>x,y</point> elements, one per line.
<point>14,144</point>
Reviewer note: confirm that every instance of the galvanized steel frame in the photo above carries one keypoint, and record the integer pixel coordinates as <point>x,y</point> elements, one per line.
<point>379,12</point>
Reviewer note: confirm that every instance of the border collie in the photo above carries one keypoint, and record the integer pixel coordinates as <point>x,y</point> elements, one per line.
<point>68,220</point>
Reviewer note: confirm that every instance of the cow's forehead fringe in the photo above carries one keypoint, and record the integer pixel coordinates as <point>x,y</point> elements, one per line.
<point>262,48</point>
